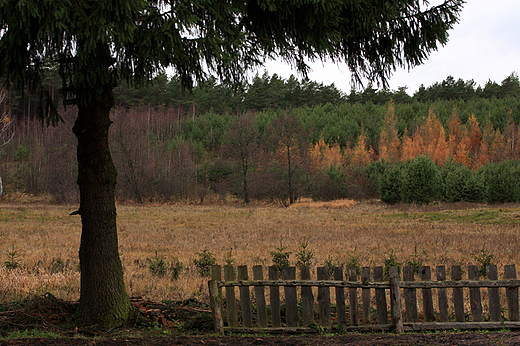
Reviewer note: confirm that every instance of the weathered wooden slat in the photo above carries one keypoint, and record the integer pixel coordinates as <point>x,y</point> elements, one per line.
<point>232,315</point>
<point>245,298</point>
<point>475,300</point>
<point>353,298</point>
<point>429,313</point>
<point>495,313</point>
<point>458,294</point>
<point>410,296</point>
<point>340,297</point>
<point>382,310</point>
<point>274,297</point>
<point>261,307</point>
<point>307,298</point>
<point>442,294</point>
<point>395,296</point>
<point>324,299</point>
<point>512,294</point>
<point>365,294</point>
<point>215,299</point>
<point>291,298</point>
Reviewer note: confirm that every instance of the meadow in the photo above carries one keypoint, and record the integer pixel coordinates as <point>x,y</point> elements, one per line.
<point>39,242</point>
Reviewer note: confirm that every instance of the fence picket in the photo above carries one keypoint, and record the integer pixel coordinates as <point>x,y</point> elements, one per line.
<point>410,296</point>
<point>274,297</point>
<point>245,298</point>
<point>260,297</point>
<point>291,298</point>
<point>458,294</point>
<point>365,294</point>
<point>429,313</point>
<point>307,298</point>
<point>229,275</point>
<point>494,295</point>
<point>512,294</point>
<point>474,295</point>
<point>382,312</point>
<point>324,298</point>
<point>340,297</point>
<point>442,293</point>
<point>353,298</point>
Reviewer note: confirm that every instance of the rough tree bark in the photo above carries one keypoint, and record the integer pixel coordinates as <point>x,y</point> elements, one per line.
<point>103,297</point>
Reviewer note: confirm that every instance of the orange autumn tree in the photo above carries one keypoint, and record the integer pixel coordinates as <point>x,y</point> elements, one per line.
<point>324,156</point>
<point>389,144</point>
<point>458,146</point>
<point>362,153</point>
<point>478,152</point>
<point>433,138</point>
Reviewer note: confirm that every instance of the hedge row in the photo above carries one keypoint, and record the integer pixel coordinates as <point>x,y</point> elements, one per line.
<point>421,181</point>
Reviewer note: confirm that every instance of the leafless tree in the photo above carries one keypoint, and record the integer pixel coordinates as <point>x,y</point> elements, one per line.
<point>6,129</point>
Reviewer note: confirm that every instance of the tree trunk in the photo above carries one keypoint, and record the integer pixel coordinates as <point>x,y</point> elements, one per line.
<point>103,297</point>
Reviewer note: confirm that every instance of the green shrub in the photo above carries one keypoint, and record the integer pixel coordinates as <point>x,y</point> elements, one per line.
<point>281,257</point>
<point>421,181</point>
<point>461,184</point>
<point>502,182</point>
<point>304,256</point>
<point>390,185</point>
<point>204,262</point>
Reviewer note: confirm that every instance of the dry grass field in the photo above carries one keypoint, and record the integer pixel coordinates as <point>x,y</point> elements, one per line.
<point>43,239</point>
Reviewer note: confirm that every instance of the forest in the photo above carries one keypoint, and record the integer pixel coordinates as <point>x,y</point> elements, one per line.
<point>279,140</point>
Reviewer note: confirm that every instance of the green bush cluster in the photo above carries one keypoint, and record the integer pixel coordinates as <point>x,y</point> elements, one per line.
<point>421,181</point>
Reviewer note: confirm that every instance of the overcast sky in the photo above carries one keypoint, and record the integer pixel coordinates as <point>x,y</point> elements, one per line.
<point>484,45</point>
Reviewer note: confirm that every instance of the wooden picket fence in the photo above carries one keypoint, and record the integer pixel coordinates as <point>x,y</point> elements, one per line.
<point>294,309</point>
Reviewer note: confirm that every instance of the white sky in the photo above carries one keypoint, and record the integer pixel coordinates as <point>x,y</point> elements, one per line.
<point>484,45</point>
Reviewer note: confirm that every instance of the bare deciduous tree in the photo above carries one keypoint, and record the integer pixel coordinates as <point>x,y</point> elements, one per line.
<point>6,129</point>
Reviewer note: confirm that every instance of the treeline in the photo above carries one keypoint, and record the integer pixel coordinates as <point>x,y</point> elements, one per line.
<point>166,148</point>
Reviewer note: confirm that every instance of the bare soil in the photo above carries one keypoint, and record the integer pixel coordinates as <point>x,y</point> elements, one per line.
<point>474,339</point>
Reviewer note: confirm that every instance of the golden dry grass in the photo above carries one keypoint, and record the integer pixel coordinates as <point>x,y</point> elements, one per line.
<point>44,235</point>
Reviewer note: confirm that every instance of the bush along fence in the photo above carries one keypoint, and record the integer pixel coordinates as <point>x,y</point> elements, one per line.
<point>375,299</point>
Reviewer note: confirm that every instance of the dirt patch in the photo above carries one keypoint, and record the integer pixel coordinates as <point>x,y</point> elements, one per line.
<point>474,339</point>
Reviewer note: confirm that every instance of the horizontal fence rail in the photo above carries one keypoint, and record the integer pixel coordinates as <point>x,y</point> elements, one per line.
<point>276,301</point>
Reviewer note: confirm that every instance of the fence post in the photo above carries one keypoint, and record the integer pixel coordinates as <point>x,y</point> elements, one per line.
<point>215,299</point>
<point>395,300</point>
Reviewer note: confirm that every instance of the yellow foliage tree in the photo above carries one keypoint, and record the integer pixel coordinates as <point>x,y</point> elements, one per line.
<point>361,154</point>
<point>324,156</point>
<point>389,144</point>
